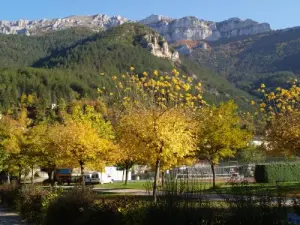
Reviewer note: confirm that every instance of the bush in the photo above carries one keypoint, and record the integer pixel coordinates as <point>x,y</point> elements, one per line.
<point>85,208</point>
<point>251,206</point>
<point>283,172</point>
<point>103,213</point>
<point>181,214</point>
<point>70,207</point>
<point>9,195</point>
<point>34,202</point>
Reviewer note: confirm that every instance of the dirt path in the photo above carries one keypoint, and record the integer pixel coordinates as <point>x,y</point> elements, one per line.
<point>9,218</point>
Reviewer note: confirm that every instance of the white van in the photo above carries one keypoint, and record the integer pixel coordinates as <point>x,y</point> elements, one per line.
<point>87,178</point>
<point>101,178</point>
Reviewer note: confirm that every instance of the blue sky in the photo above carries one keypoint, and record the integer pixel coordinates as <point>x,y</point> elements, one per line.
<point>279,13</point>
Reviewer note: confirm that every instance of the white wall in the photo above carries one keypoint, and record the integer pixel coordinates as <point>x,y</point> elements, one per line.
<point>116,174</point>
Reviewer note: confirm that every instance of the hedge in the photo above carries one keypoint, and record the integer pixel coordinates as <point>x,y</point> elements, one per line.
<point>283,172</point>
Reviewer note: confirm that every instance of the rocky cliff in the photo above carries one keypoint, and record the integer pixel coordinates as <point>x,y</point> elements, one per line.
<point>159,47</point>
<point>186,28</point>
<point>95,22</point>
<point>192,28</point>
<point>235,26</point>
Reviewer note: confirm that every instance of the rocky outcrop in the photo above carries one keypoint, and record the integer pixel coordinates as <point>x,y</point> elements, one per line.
<point>191,28</point>
<point>186,47</point>
<point>159,47</point>
<point>95,22</point>
<point>186,28</point>
<point>238,27</point>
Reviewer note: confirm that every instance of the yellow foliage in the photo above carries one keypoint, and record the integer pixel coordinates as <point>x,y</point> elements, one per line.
<point>220,133</point>
<point>155,135</point>
<point>282,113</point>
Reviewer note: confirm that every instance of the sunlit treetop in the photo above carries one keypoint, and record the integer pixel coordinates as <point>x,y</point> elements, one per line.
<point>281,101</point>
<point>156,89</point>
<point>281,109</point>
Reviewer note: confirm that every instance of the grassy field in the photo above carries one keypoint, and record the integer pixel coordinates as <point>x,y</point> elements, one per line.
<point>142,185</point>
<point>290,189</point>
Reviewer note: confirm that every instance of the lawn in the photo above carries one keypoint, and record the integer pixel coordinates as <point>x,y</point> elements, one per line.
<point>142,185</point>
<point>289,189</point>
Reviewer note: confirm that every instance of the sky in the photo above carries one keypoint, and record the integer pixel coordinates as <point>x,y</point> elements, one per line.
<point>279,13</point>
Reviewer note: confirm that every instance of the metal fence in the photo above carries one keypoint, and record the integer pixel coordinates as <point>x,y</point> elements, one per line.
<point>204,172</point>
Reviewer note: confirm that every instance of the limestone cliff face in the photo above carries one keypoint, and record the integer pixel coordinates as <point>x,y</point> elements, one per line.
<point>159,47</point>
<point>191,28</point>
<point>96,22</point>
<point>236,27</point>
<point>186,28</point>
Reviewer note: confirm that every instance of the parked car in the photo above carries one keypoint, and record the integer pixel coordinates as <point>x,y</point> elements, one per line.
<point>101,178</point>
<point>88,178</point>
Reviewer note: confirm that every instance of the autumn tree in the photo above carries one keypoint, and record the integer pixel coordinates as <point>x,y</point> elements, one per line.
<point>22,134</point>
<point>86,138</point>
<point>127,156</point>
<point>220,134</point>
<point>155,115</point>
<point>13,141</point>
<point>13,133</point>
<point>44,145</point>
<point>281,110</point>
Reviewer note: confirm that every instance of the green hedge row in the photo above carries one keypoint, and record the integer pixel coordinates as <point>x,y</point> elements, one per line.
<point>283,172</point>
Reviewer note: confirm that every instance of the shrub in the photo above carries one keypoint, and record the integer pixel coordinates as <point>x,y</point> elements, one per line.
<point>9,195</point>
<point>251,206</point>
<point>70,207</point>
<point>83,208</point>
<point>103,213</point>
<point>181,214</point>
<point>271,173</point>
<point>34,202</point>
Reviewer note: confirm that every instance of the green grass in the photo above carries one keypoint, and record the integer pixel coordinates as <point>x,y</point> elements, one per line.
<point>289,189</point>
<point>120,185</point>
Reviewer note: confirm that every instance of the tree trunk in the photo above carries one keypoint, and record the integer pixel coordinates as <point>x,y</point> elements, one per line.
<point>20,174</point>
<point>123,175</point>
<point>162,178</point>
<point>82,174</point>
<point>214,174</point>
<point>8,178</point>
<point>51,176</point>
<point>32,176</point>
<point>126,174</point>
<point>156,179</point>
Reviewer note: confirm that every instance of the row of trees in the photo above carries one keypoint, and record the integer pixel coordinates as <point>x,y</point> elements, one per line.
<point>157,119</point>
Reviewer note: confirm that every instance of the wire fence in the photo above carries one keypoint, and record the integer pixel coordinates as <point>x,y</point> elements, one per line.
<point>204,172</point>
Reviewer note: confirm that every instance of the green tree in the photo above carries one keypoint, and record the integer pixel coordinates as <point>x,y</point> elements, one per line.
<point>251,154</point>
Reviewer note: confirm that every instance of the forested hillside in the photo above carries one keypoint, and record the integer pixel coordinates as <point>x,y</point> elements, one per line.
<point>72,64</point>
<point>21,50</point>
<point>271,58</point>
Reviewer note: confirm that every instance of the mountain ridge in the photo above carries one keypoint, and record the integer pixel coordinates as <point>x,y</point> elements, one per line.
<point>185,28</point>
